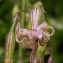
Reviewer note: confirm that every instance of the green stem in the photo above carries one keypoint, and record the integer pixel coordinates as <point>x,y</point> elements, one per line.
<point>23,13</point>
<point>22,23</point>
<point>20,54</point>
<point>14,24</point>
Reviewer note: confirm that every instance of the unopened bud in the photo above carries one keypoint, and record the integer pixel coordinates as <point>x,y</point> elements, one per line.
<point>10,44</point>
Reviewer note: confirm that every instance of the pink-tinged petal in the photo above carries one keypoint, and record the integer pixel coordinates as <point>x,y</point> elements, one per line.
<point>50,60</point>
<point>34,18</point>
<point>36,15</point>
<point>35,34</point>
<point>39,34</point>
<point>23,33</point>
<point>32,58</point>
<point>44,39</point>
<point>44,26</point>
<point>34,25</point>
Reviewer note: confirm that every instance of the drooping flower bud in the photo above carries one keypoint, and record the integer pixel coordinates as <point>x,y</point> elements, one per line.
<point>10,45</point>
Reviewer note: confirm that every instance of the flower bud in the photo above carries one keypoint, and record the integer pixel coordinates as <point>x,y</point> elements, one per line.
<point>10,45</point>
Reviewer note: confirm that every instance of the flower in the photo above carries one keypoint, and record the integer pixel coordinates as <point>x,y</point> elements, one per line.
<point>38,33</point>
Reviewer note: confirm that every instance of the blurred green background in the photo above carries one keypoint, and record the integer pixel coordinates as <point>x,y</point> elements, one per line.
<point>53,17</point>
